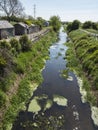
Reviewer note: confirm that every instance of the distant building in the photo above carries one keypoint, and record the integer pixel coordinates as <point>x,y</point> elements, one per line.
<point>46,23</point>
<point>21,28</point>
<point>6,29</point>
<point>33,28</point>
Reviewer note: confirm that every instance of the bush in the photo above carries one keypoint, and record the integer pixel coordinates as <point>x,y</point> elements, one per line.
<point>26,44</point>
<point>23,60</point>
<point>5,44</point>
<point>15,44</point>
<point>6,62</point>
<point>2,99</point>
<point>2,62</point>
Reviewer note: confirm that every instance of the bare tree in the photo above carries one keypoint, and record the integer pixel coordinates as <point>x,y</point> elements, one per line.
<point>11,7</point>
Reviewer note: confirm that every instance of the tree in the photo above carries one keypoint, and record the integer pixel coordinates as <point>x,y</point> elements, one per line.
<point>30,18</point>
<point>55,23</point>
<point>95,26</point>
<point>87,25</point>
<point>69,27</point>
<point>90,25</point>
<point>11,7</point>
<point>73,26</point>
<point>39,21</point>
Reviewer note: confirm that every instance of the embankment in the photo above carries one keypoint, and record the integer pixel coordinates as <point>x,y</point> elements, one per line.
<point>82,57</point>
<point>24,75</point>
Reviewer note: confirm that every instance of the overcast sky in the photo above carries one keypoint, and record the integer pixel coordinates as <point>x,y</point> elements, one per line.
<point>67,10</point>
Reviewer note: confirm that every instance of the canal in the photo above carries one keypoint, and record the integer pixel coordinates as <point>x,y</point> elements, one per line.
<point>56,104</point>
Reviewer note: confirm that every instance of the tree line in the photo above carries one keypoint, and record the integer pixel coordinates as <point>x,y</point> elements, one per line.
<point>76,24</point>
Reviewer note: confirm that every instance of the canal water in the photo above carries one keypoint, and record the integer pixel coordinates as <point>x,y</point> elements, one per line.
<point>56,104</point>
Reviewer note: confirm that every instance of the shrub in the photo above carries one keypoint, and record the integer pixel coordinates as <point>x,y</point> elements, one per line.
<point>5,44</point>
<point>22,62</point>
<point>26,44</point>
<point>2,62</point>
<point>2,99</point>
<point>6,62</point>
<point>15,44</point>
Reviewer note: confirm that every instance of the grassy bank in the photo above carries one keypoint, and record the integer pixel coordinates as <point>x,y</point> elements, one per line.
<point>28,65</point>
<point>83,61</point>
<point>82,58</point>
<point>92,31</point>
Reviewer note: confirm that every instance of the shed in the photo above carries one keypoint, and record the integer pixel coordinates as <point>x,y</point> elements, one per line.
<point>6,29</point>
<point>33,28</point>
<point>46,23</point>
<point>21,28</point>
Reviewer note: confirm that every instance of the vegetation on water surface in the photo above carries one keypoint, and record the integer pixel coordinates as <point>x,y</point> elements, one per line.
<point>27,65</point>
<point>82,57</point>
<point>44,122</point>
<point>38,105</point>
<point>64,73</point>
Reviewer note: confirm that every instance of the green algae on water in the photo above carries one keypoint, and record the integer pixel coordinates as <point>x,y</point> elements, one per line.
<point>60,100</point>
<point>34,106</point>
<point>48,104</point>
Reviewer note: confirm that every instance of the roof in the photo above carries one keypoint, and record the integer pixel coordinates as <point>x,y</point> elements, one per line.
<point>5,24</point>
<point>23,25</point>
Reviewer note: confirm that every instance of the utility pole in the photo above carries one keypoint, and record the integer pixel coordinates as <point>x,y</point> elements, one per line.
<point>34,11</point>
